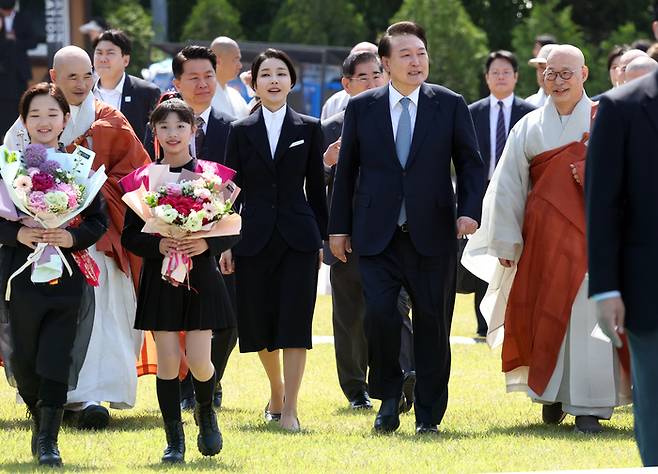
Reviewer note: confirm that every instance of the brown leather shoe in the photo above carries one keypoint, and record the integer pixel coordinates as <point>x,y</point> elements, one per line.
<point>552,414</point>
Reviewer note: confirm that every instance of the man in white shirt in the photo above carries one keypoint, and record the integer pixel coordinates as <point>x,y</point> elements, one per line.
<point>227,99</point>
<point>134,97</point>
<point>539,63</point>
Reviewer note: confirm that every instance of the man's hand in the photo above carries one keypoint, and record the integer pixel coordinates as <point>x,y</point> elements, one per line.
<point>226,263</point>
<point>59,237</point>
<point>466,226</point>
<point>340,244</point>
<point>330,156</point>
<point>192,247</point>
<point>611,313</point>
<point>506,263</point>
<point>29,236</point>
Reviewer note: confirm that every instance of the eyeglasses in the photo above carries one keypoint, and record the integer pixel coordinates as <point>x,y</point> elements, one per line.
<point>552,75</point>
<point>507,73</point>
<point>366,79</point>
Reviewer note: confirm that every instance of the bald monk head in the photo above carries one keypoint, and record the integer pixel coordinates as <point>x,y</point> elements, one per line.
<point>564,77</point>
<point>640,66</point>
<point>364,46</point>
<point>228,59</point>
<point>626,59</point>
<point>72,73</point>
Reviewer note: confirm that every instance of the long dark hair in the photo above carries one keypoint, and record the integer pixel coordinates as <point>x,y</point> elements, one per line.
<point>255,67</point>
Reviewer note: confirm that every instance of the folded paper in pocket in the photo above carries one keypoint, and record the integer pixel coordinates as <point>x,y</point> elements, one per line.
<point>294,144</point>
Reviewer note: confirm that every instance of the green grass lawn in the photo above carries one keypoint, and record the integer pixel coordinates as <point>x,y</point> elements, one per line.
<point>485,429</point>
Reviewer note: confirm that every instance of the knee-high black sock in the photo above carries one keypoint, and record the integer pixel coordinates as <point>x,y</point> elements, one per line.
<point>169,398</point>
<point>204,390</point>
<point>52,393</point>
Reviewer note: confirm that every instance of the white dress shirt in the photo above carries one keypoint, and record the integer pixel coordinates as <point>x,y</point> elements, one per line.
<point>9,21</point>
<point>205,115</point>
<point>396,108</point>
<point>110,96</point>
<point>273,124</point>
<point>493,124</point>
<point>538,99</point>
<point>335,104</point>
<point>229,101</point>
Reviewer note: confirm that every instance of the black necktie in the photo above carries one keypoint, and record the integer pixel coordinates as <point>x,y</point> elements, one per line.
<point>501,133</point>
<point>199,137</point>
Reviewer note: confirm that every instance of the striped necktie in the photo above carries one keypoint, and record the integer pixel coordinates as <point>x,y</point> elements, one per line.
<point>501,132</point>
<point>199,137</point>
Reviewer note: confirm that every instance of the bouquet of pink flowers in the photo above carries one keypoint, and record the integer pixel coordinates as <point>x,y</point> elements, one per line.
<point>46,188</point>
<point>185,205</point>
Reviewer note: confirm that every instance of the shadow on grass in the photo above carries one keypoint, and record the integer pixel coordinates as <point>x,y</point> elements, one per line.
<point>347,411</point>
<point>33,466</point>
<point>206,463</point>
<point>273,428</point>
<point>15,424</point>
<point>562,431</point>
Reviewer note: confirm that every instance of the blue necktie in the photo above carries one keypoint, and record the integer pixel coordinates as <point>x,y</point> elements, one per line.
<point>403,145</point>
<point>501,132</point>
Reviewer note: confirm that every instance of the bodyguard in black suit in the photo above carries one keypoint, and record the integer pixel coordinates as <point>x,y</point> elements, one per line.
<point>622,230</point>
<point>361,71</point>
<point>277,154</point>
<point>493,117</point>
<point>134,97</point>
<point>398,143</point>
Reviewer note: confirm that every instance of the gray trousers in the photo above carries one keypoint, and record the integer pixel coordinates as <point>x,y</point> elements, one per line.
<point>644,371</point>
<point>349,336</point>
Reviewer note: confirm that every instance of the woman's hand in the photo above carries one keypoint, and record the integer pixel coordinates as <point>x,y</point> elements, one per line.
<point>192,247</point>
<point>29,236</point>
<point>226,263</point>
<point>167,245</point>
<point>59,237</point>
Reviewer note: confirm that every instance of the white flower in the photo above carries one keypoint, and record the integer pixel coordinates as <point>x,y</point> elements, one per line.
<point>202,193</point>
<point>166,213</point>
<point>194,221</point>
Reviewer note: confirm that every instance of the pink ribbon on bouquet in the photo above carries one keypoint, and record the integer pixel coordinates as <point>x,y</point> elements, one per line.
<point>176,268</point>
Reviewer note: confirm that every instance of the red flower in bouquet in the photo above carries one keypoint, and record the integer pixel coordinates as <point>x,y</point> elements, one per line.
<point>42,182</point>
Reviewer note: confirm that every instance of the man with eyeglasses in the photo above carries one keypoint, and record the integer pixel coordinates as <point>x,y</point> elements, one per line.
<point>537,296</point>
<point>493,117</point>
<point>361,71</point>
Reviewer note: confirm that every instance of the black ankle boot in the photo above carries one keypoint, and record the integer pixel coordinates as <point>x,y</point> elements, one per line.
<point>33,411</point>
<point>51,419</point>
<point>175,450</point>
<point>209,440</point>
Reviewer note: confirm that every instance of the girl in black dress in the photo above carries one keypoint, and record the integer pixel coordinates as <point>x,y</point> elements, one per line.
<point>166,310</point>
<point>277,154</point>
<point>45,319</point>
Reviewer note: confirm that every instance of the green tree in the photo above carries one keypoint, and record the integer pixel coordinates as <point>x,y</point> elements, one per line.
<point>318,22</point>
<point>457,47</point>
<point>133,19</point>
<point>497,18</point>
<point>256,17</point>
<point>376,14</point>
<point>212,18</point>
<point>546,17</point>
<point>599,80</point>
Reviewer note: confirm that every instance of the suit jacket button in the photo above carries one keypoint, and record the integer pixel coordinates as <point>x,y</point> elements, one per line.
<point>273,206</point>
<point>404,173</point>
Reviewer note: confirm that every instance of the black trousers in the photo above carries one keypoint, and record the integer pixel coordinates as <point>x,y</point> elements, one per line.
<point>430,282</point>
<point>480,291</point>
<point>350,343</point>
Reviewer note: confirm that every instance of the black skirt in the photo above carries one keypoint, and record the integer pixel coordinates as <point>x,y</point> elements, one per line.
<point>276,292</point>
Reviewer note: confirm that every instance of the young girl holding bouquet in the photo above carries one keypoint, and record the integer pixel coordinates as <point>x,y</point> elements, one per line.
<point>50,323</point>
<point>196,307</point>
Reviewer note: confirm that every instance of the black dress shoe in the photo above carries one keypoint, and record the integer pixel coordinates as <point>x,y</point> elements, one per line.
<point>388,417</point>
<point>188,404</point>
<point>361,402</point>
<point>408,386</point>
<point>94,417</point>
<point>423,428</point>
<point>552,414</point>
<point>270,416</point>
<point>217,396</point>
<point>588,425</point>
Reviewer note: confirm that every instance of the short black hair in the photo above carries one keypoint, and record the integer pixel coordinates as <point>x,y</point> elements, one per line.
<point>641,44</point>
<point>172,106</point>
<point>545,39</point>
<point>118,38</point>
<point>616,52</point>
<point>399,29</point>
<point>501,54</point>
<point>192,52</point>
<point>354,59</point>
<point>277,54</point>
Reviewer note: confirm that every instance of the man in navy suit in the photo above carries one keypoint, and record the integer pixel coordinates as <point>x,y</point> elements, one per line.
<point>398,142</point>
<point>493,117</point>
<point>134,97</point>
<point>194,78</point>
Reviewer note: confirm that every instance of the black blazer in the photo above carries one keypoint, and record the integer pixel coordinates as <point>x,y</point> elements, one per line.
<point>138,99</point>
<point>273,190</point>
<point>480,113</point>
<point>443,132</point>
<point>25,39</point>
<point>214,145</point>
<point>331,129</point>
<point>622,199</point>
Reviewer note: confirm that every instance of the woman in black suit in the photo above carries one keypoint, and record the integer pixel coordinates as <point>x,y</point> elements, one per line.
<point>277,154</point>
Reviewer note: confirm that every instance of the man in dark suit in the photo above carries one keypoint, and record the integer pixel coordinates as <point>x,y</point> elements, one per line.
<point>493,117</point>
<point>194,78</point>
<point>134,97</point>
<point>361,71</point>
<point>398,141</point>
<point>16,37</point>
<point>622,229</point>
